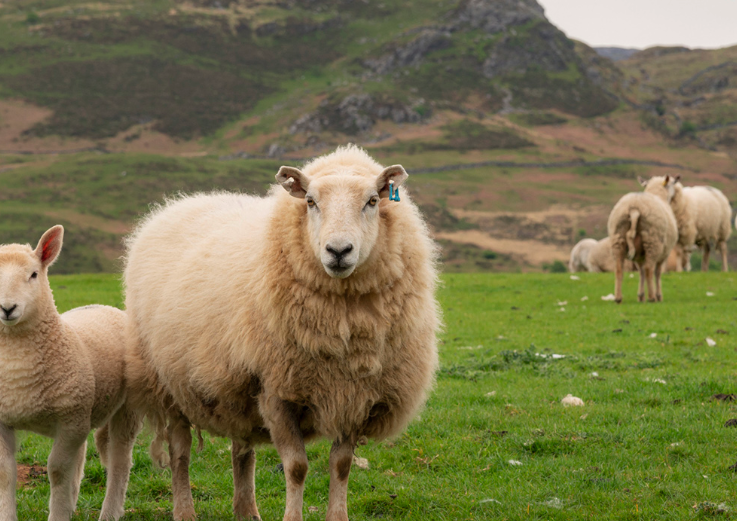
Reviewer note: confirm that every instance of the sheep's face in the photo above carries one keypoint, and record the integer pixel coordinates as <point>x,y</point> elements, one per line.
<point>661,186</point>
<point>23,282</point>
<point>342,214</point>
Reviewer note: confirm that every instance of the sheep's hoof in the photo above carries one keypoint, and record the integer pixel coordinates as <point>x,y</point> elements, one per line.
<point>640,297</point>
<point>651,299</point>
<point>618,300</point>
<point>660,298</point>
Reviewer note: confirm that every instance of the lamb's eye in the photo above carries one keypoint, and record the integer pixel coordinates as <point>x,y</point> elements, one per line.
<point>373,201</point>
<point>35,275</point>
<point>311,203</point>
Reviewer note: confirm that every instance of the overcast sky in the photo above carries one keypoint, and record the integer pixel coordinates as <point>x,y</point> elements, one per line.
<point>644,23</point>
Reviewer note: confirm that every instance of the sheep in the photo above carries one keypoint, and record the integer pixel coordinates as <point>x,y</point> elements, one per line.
<point>643,229</point>
<point>594,256</point>
<point>60,376</point>
<point>307,313</point>
<point>704,215</point>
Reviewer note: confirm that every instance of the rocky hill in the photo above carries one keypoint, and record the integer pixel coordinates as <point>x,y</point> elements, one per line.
<point>518,138</point>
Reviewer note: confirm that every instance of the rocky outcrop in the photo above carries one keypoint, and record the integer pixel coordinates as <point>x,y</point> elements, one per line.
<point>544,47</point>
<point>495,16</point>
<point>412,53</point>
<point>357,114</point>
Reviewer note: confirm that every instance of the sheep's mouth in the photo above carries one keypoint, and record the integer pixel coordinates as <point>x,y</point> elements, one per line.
<point>9,321</point>
<point>339,270</point>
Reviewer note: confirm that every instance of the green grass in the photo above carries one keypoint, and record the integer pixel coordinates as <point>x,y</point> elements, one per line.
<point>638,449</point>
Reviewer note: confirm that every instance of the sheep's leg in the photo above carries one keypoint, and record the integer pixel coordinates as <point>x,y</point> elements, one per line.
<point>102,442</point>
<point>7,474</point>
<point>244,482</point>
<point>341,458</point>
<point>122,430</point>
<point>618,274</point>
<point>180,447</point>
<point>282,420</point>
<point>705,258</point>
<point>649,277</point>
<point>723,249</point>
<point>66,466</point>
<point>658,286</point>
<point>641,287</point>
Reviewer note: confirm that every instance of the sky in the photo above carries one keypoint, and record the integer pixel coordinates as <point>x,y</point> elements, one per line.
<point>645,23</point>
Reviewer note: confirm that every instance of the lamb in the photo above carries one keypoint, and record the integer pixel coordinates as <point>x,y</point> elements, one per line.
<point>643,229</point>
<point>307,313</point>
<point>704,215</point>
<point>594,256</point>
<point>60,376</point>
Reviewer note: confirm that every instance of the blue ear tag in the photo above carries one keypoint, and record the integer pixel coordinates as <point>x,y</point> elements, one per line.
<point>393,194</point>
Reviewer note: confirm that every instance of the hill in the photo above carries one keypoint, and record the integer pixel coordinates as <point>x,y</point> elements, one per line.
<point>518,139</point>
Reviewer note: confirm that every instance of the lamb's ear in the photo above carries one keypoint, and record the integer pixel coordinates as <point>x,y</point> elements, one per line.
<point>667,180</point>
<point>293,181</point>
<point>50,245</point>
<point>677,179</point>
<point>394,173</point>
<point>642,181</point>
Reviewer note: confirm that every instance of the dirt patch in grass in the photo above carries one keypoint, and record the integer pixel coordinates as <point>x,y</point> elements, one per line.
<point>29,475</point>
<point>528,251</point>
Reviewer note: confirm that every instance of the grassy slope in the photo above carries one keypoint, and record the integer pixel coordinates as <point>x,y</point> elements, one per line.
<point>639,449</point>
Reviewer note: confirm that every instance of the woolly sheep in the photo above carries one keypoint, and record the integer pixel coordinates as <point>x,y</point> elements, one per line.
<point>594,256</point>
<point>642,228</point>
<point>703,215</point>
<point>307,313</point>
<point>60,376</point>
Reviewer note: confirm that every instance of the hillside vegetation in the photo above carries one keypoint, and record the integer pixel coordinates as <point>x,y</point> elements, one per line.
<point>518,139</point>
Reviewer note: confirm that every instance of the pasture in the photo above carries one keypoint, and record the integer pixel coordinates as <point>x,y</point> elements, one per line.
<point>650,442</point>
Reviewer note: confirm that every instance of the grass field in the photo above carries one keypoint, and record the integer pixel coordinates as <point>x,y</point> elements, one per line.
<point>650,443</point>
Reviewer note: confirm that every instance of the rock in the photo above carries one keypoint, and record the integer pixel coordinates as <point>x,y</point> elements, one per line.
<point>494,16</point>
<point>572,401</point>
<point>410,54</point>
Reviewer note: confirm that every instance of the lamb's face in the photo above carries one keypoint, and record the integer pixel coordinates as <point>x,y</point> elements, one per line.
<point>24,287</point>
<point>20,272</point>
<point>342,214</point>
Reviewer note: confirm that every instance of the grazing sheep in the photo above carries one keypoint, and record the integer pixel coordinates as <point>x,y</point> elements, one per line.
<point>307,313</point>
<point>704,215</point>
<point>643,229</point>
<point>594,256</point>
<point>60,376</point>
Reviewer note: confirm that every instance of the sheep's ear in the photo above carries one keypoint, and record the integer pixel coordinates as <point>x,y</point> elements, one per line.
<point>677,179</point>
<point>293,181</point>
<point>666,181</point>
<point>642,181</point>
<point>50,245</point>
<point>394,173</point>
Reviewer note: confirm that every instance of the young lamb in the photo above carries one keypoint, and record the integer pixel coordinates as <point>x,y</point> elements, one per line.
<point>642,228</point>
<point>60,376</point>
<point>308,313</point>
<point>594,256</point>
<point>703,215</point>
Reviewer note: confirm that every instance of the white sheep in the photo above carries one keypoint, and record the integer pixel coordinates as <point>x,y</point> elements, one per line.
<point>642,228</point>
<point>307,313</point>
<point>704,216</point>
<point>594,256</point>
<point>60,376</point>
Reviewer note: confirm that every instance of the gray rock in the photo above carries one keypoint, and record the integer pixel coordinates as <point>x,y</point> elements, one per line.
<point>495,16</point>
<point>412,53</point>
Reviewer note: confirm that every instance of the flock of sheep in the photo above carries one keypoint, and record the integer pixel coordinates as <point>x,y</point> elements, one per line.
<point>655,230</point>
<point>308,313</point>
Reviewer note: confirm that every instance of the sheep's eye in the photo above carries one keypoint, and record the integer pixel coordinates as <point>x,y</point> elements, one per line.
<point>34,275</point>
<point>373,201</point>
<point>311,203</point>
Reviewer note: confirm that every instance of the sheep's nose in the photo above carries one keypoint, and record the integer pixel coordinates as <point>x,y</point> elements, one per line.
<point>8,311</point>
<point>339,252</point>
